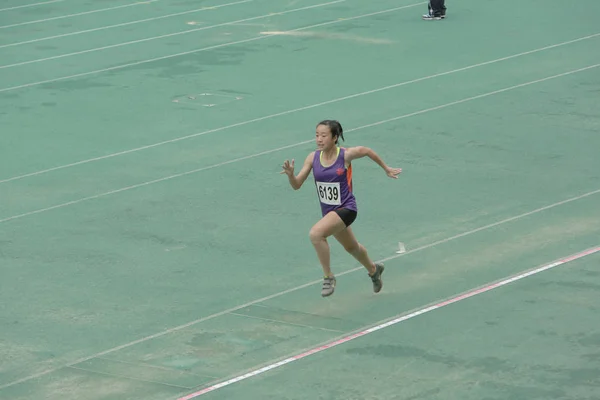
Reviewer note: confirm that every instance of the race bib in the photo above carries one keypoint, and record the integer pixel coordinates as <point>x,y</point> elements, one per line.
<point>329,193</point>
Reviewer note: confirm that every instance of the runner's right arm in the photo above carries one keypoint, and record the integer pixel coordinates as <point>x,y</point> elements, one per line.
<point>297,181</point>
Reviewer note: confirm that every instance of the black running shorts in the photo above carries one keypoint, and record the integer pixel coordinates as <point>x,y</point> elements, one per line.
<point>348,216</point>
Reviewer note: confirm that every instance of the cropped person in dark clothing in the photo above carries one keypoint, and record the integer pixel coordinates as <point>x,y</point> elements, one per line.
<point>437,10</point>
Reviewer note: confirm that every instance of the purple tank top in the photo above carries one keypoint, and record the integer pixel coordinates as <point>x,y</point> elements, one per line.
<point>333,183</point>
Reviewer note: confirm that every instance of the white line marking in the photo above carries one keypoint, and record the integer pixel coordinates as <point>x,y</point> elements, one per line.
<point>282,293</point>
<point>396,320</point>
<point>206,8</point>
<point>168,35</point>
<point>262,37</point>
<point>30,5</point>
<point>480,96</point>
<point>78,14</point>
<point>97,196</point>
<point>294,110</point>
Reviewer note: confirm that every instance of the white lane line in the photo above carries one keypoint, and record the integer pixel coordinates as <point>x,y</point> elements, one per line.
<point>78,14</point>
<point>275,295</point>
<point>187,31</point>
<point>139,21</point>
<point>30,5</point>
<point>147,183</point>
<point>261,37</point>
<point>295,110</point>
<point>386,324</point>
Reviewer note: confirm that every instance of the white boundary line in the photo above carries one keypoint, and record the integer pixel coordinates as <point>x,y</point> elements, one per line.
<point>78,14</point>
<point>262,37</point>
<point>294,289</point>
<point>73,202</point>
<point>388,323</point>
<point>205,8</point>
<point>169,35</point>
<point>30,5</point>
<point>295,110</point>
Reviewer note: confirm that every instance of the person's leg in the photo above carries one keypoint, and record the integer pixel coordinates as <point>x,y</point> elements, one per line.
<point>436,6</point>
<point>437,10</point>
<point>329,225</point>
<point>355,249</point>
<point>359,252</point>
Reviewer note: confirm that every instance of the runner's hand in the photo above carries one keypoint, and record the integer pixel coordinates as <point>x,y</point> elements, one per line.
<point>393,172</point>
<point>288,168</point>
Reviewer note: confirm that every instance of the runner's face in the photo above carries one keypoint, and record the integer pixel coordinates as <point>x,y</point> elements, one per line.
<point>324,138</point>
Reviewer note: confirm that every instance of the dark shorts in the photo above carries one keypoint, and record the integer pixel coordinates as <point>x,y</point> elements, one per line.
<point>348,216</point>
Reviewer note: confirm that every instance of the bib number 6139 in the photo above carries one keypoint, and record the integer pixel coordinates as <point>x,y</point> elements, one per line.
<point>329,193</point>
